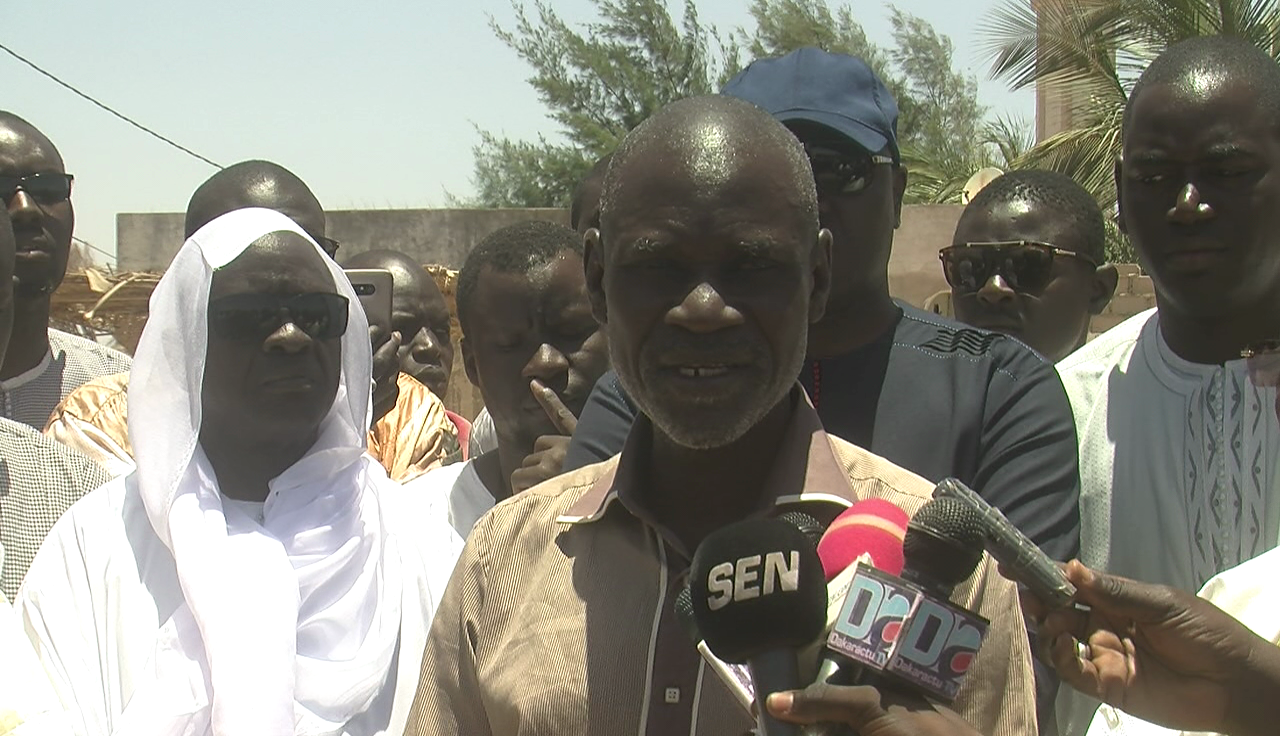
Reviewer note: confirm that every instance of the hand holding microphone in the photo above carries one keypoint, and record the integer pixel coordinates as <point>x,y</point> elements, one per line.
<point>758,596</point>
<point>869,711</point>
<point>899,634</point>
<point>1161,654</point>
<point>904,631</point>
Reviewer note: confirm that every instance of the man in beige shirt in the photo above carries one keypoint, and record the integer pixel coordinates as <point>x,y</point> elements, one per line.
<point>707,269</point>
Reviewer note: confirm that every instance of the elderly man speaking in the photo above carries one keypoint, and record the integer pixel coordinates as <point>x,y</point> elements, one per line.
<point>708,266</point>
<point>257,572</point>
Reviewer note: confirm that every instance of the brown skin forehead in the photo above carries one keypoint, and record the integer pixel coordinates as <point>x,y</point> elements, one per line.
<point>719,188</point>
<point>290,198</point>
<point>1018,219</point>
<point>277,263</point>
<point>1182,117</point>
<point>549,289</point>
<point>25,150</point>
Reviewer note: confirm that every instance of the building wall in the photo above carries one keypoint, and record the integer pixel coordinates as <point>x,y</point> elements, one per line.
<point>1057,105</point>
<point>914,271</point>
<point>148,242</point>
<point>442,238</point>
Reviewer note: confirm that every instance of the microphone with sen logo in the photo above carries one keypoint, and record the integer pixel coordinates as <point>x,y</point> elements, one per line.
<point>758,597</point>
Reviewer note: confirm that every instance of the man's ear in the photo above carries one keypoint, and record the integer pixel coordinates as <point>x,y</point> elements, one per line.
<point>900,174</point>
<point>1105,278</point>
<point>469,361</point>
<point>593,270</point>
<point>1118,173</point>
<point>821,276</point>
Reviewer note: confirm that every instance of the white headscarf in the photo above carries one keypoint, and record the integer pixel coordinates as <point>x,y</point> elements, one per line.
<point>290,626</point>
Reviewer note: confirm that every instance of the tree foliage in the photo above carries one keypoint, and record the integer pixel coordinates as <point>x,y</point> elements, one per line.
<point>602,79</point>
<point>597,82</point>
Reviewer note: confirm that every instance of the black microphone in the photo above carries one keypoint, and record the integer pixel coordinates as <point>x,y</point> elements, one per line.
<point>759,594</point>
<point>1018,555</point>
<point>904,631</point>
<point>810,527</point>
<point>736,677</point>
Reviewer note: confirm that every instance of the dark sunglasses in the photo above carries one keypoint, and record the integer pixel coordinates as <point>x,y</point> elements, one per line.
<point>257,316</point>
<point>837,173</point>
<point>1026,265</point>
<point>45,187</point>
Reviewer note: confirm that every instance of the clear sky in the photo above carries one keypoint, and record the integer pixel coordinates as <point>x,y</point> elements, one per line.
<point>373,104</point>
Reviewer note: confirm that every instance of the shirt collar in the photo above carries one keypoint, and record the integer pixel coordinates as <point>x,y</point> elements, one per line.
<point>804,469</point>
<point>28,376</point>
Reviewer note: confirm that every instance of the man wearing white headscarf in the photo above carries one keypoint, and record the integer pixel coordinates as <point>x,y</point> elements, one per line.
<point>258,572</point>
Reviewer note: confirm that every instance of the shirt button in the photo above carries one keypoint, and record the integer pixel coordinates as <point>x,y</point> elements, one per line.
<point>672,695</point>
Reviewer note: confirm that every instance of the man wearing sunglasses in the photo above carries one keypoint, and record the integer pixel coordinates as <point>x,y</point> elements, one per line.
<point>928,394</point>
<point>40,478</point>
<point>258,572</point>
<point>43,365</point>
<point>1027,261</point>
<point>94,418</point>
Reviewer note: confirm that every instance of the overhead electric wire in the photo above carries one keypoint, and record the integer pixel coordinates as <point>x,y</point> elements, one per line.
<point>93,247</point>
<point>104,106</point>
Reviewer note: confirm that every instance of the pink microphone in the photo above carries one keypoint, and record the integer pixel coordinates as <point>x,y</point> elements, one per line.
<point>873,527</point>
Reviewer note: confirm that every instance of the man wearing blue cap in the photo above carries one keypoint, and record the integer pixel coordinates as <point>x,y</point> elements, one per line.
<point>931,395</point>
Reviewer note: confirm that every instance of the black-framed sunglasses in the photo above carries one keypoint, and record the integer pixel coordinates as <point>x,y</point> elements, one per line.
<point>835,172</point>
<point>256,316</point>
<point>1025,265</point>
<point>45,187</point>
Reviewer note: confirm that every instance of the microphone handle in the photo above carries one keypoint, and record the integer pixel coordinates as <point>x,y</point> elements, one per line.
<point>772,671</point>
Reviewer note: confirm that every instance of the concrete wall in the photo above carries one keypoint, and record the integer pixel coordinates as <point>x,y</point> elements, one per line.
<point>915,273</point>
<point>148,242</point>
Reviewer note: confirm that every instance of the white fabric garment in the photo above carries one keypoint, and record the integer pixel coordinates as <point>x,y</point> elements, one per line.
<point>207,621</point>
<point>1250,594</point>
<point>28,706</point>
<point>484,437</point>
<point>1178,466</point>
<point>457,488</point>
<point>104,584</point>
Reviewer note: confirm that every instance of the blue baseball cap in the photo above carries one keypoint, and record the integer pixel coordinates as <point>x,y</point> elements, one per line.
<point>835,90</point>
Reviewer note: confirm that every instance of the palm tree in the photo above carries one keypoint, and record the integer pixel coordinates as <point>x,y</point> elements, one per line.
<point>938,175</point>
<point>1094,50</point>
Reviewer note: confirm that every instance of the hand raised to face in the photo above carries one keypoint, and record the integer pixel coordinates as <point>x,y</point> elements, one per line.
<point>386,370</point>
<point>547,457</point>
